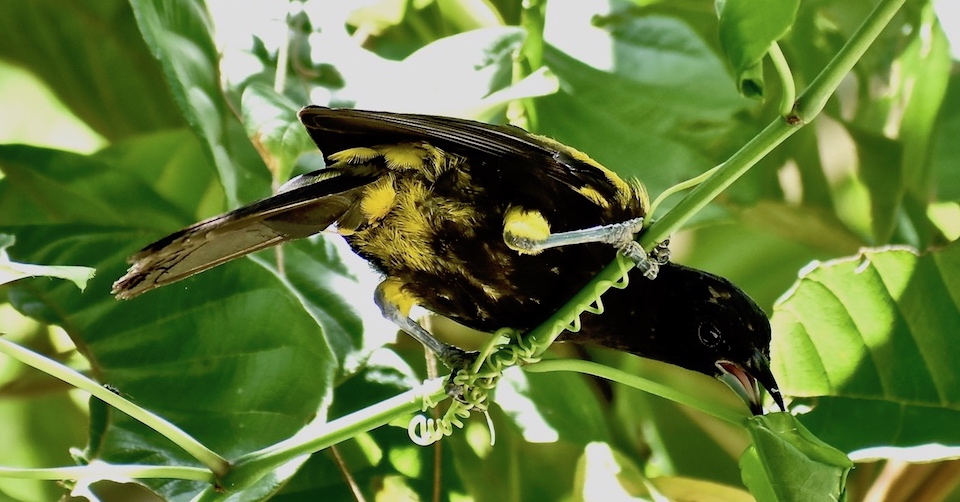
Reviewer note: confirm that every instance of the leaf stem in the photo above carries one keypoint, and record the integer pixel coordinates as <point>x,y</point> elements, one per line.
<point>252,466</point>
<point>217,464</point>
<point>815,97</point>
<point>283,55</point>
<point>100,470</point>
<point>788,88</point>
<point>637,382</point>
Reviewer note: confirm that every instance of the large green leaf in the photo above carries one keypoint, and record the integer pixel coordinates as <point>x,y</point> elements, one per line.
<point>179,36</point>
<point>173,163</point>
<point>869,343</point>
<point>644,95</point>
<point>90,55</point>
<point>49,187</point>
<point>239,356</point>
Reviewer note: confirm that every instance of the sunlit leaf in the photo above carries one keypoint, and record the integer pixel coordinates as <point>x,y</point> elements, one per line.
<point>11,270</point>
<point>786,463</point>
<point>872,339</point>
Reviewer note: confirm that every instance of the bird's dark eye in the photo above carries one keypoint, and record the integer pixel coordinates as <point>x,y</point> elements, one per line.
<point>709,334</point>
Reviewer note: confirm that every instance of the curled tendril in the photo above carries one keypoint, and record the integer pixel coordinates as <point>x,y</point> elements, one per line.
<point>482,377</point>
<point>426,431</point>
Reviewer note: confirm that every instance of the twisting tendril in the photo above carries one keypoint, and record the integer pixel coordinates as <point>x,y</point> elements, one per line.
<point>476,382</point>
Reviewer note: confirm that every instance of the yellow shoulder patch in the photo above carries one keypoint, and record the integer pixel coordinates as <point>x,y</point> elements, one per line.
<point>522,227</point>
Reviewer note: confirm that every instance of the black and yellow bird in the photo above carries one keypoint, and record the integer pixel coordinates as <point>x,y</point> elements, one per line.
<point>490,226</point>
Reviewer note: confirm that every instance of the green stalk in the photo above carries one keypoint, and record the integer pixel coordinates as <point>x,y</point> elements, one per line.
<point>648,386</point>
<point>251,467</point>
<point>529,58</point>
<point>787,85</point>
<point>217,464</point>
<point>101,470</point>
<point>815,97</point>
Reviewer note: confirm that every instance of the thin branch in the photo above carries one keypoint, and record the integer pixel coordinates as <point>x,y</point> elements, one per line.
<point>197,450</point>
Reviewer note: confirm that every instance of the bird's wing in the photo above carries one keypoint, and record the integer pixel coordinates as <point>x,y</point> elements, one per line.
<point>334,130</point>
<point>296,213</point>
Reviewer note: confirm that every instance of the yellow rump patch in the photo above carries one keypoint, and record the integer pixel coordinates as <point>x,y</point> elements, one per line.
<point>404,156</point>
<point>357,155</point>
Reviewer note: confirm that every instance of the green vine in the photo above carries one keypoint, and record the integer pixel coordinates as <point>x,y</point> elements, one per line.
<point>217,464</point>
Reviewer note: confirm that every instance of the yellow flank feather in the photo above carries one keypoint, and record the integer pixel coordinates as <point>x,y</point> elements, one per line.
<point>411,219</point>
<point>357,155</point>
<point>404,236</point>
<point>378,199</point>
<point>392,292</point>
<point>521,226</point>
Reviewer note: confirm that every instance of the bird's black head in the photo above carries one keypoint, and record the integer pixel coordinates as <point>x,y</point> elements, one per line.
<point>694,320</point>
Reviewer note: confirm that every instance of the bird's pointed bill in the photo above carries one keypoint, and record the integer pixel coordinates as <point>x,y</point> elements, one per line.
<point>746,382</point>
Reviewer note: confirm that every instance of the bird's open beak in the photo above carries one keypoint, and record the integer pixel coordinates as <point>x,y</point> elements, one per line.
<point>744,381</point>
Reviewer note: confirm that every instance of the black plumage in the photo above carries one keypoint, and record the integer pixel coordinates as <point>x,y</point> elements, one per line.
<point>429,201</point>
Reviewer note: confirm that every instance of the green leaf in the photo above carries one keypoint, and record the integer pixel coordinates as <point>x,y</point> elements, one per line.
<point>50,187</point>
<point>880,162</point>
<point>271,121</point>
<point>946,152</point>
<point>91,56</point>
<point>547,407</point>
<point>603,472</point>
<point>237,362</point>
<point>474,64</point>
<point>174,164</point>
<point>787,463</point>
<point>927,62</point>
<point>179,36</point>
<point>643,95</point>
<point>747,29</point>
<point>234,356</point>
<point>11,271</point>
<point>871,339</point>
